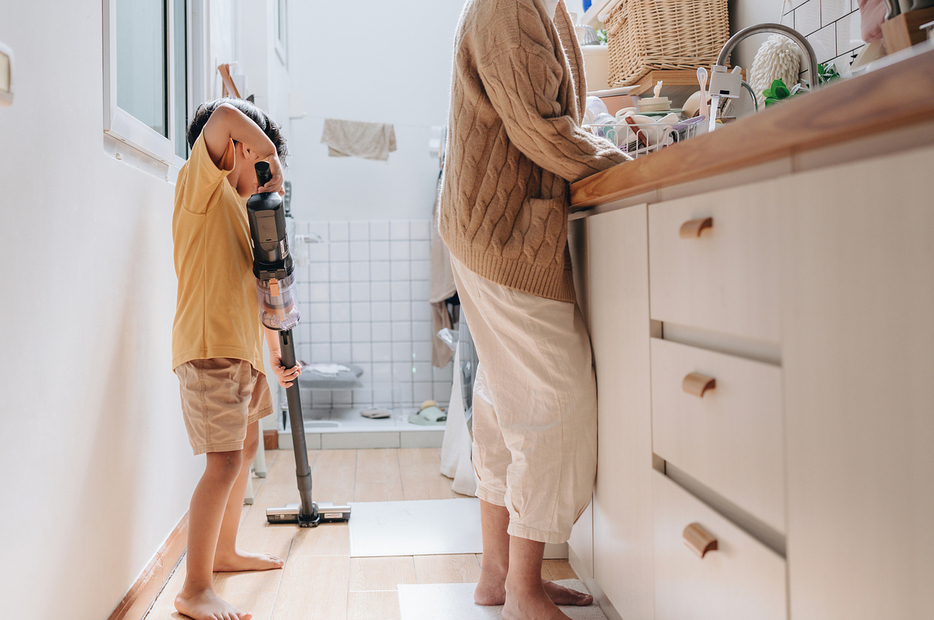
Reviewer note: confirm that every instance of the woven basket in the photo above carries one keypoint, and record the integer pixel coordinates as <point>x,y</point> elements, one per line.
<point>651,35</point>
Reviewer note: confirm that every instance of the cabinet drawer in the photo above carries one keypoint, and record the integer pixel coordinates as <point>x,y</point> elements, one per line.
<point>724,279</point>
<point>740,580</point>
<point>729,439</point>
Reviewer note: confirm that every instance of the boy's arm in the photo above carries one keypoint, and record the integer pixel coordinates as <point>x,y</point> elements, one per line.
<point>228,123</point>
<point>285,375</point>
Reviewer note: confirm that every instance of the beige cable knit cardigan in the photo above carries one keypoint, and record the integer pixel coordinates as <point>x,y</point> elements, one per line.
<point>515,143</point>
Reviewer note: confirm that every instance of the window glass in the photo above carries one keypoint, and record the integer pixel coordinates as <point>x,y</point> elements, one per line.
<point>180,76</point>
<point>282,25</point>
<point>283,21</point>
<point>141,61</point>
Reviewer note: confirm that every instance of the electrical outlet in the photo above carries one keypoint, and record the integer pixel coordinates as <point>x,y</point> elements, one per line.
<point>6,75</point>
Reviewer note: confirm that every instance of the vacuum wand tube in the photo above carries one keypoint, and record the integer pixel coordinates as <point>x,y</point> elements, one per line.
<point>309,511</point>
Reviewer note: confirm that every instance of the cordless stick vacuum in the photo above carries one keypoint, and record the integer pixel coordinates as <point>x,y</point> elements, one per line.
<point>272,266</point>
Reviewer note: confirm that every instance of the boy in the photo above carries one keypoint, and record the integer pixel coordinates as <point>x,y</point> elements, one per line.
<point>217,337</point>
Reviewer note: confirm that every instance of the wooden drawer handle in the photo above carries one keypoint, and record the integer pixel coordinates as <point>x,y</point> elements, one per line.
<point>693,229</point>
<point>698,540</point>
<point>696,384</point>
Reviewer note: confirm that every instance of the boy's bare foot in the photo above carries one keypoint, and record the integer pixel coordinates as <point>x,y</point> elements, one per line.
<point>242,561</point>
<point>491,590</point>
<point>205,605</point>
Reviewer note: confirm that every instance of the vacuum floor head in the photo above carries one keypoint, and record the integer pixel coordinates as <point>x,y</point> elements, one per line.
<point>291,514</point>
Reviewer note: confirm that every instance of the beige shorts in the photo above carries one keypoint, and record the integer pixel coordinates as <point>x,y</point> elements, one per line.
<point>534,406</point>
<point>221,397</point>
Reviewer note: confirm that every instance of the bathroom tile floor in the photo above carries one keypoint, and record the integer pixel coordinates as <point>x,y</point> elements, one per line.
<point>320,579</point>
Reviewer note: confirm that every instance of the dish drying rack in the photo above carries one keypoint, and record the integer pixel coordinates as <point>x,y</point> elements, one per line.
<point>639,139</point>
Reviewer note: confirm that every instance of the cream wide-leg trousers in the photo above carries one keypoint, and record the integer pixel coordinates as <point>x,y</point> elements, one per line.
<point>534,406</point>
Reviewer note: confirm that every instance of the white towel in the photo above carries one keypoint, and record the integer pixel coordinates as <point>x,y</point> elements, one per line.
<point>327,370</point>
<point>441,288</point>
<point>456,442</point>
<point>358,139</point>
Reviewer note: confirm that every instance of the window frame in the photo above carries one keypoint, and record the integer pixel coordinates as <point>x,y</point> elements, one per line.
<point>282,28</point>
<point>123,126</point>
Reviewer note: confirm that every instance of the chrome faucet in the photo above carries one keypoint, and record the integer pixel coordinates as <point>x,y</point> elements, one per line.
<point>791,33</point>
<point>725,85</point>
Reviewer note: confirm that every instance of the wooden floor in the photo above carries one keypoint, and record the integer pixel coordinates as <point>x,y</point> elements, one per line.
<point>320,579</point>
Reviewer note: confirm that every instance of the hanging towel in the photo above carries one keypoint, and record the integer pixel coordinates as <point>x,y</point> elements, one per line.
<point>871,16</point>
<point>441,353</point>
<point>358,139</point>
<point>441,289</point>
<point>456,462</point>
<point>327,370</point>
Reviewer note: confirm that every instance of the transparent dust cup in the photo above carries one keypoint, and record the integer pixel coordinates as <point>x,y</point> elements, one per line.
<point>277,303</point>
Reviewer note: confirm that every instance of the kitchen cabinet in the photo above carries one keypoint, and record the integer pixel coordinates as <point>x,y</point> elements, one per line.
<point>761,306</point>
<point>858,357</point>
<point>617,310</point>
<point>810,458</point>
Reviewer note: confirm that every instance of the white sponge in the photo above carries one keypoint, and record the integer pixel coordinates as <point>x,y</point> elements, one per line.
<point>778,58</point>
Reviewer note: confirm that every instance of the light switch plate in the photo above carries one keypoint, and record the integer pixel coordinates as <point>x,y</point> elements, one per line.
<point>6,75</point>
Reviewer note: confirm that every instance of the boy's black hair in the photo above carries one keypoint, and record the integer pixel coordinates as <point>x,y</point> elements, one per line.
<point>262,120</point>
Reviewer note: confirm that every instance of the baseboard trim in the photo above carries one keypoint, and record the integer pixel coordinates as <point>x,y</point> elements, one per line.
<point>271,439</point>
<point>147,588</point>
<point>601,600</point>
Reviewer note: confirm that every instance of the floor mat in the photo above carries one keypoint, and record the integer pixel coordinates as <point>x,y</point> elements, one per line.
<point>423,527</point>
<point>454,601</point>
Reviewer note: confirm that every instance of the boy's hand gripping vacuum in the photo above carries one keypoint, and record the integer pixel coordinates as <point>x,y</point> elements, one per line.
<point>272,266</point>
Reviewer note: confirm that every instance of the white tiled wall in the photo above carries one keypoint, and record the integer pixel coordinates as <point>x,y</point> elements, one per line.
<point>831,26</point>
<point>364,300</point>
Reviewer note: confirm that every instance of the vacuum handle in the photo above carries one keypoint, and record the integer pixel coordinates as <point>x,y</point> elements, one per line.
<point>287,351</point>
<point>263,174</point>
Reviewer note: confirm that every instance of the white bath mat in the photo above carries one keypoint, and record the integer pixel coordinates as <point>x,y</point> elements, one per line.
<point>454,601</point>
<point>422,527</point>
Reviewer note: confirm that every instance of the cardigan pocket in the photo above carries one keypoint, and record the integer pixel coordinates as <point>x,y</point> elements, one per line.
<point>539,233</point>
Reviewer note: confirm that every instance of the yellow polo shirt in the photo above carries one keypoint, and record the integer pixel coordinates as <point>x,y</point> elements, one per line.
<point>217,313</point>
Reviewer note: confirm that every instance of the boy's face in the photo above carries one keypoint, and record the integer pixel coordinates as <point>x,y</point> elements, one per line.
<point>244,171</point>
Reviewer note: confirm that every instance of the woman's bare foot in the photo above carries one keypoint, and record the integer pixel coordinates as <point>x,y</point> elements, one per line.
<point>242,561</point>
<point>566,596</point>
<point>533,604</point>
<point>491,590</point>
<point>205,605</point>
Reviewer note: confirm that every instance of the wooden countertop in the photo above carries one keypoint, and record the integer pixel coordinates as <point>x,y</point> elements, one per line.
<point>892,97</point>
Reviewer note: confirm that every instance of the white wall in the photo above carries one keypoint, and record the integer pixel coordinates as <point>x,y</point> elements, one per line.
<point>377,62</point>
<point>267,75</point>
<point>97,467</point>
<point>746,13</point>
